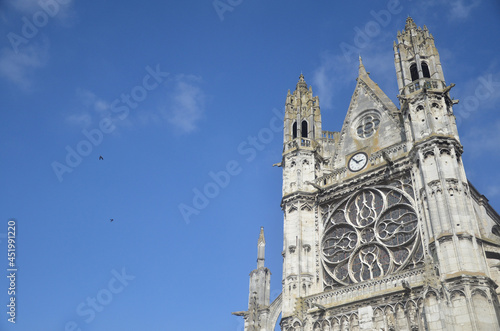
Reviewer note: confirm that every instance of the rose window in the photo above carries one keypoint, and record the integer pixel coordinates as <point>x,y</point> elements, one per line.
<point>370,234</point>
<point>367,126</point>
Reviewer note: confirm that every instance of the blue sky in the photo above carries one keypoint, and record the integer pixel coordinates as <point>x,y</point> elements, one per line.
<point>182,99</point>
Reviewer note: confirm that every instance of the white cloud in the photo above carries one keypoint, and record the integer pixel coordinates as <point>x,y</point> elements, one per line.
<point>332,73</point>
<point>19,67</point>
<point>30,52</point>
<point>453,10</point>
<point>92,101</point>
<point>89,104</point>
<point>335,73</point>
<point>186,104</point>
<point>183,107</point>
<point>460,9</point>
<point>477,96</point>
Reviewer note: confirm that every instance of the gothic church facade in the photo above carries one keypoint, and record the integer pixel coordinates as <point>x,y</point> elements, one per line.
<point>382,229</point>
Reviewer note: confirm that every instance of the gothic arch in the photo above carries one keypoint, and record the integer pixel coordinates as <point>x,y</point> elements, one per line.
<point>304,129</point>
<point>378,319</point>
<point>414,72</point>
<point>480,300</point>
<point>335,323</point>
<point>325,325</point>
<point>425,70</point>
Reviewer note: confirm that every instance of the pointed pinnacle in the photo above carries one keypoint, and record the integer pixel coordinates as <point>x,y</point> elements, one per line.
<point>261,236</point>
<point>362,70</point>
<point>301,84</point>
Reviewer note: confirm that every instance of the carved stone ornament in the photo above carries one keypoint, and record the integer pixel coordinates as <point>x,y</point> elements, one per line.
<point>370,234</point>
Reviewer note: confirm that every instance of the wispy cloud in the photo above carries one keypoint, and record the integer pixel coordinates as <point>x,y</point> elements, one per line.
<point>89,106</point>
<point>478,96</point>
<point>29,47</point>
<point>91,100</point>
<point>332,72</point>
<point>186,103</point>
<point>19,67</point>
<point>461,9</point>
<point>453,10</point>
<point>182,108</point>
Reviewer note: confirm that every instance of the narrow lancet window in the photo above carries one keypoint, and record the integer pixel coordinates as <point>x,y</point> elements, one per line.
<point>304,129</point>
<point>425,70</point>
<point>294,130</point>
<point>414,72</point>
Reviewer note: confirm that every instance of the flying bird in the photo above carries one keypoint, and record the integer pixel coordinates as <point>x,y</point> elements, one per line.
<point>111,220</point>
<point>100,157</point>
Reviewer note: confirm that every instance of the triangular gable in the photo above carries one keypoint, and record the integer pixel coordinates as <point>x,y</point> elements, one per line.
<point>369,108</point>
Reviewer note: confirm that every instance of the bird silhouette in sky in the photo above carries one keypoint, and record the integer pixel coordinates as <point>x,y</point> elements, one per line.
<point>100,157</point>
<point>111,220</point>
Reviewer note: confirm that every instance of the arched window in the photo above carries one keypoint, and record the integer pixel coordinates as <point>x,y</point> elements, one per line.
<point>304,129</point>
<point>414,72</point>
<point>425,70</point>
<point>294,130</point>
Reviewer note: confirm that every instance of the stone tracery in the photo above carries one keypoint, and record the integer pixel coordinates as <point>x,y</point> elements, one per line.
<point>370,234</point>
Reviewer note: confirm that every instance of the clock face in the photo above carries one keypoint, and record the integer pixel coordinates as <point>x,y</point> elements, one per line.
<point>358,161</point>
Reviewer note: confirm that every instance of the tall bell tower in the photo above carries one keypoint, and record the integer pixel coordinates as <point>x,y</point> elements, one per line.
<point>301,165</point>
<point>450,225</point>
<point>382,229</point>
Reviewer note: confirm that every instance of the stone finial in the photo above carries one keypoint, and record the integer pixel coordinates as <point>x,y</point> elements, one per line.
<point>410,24</point>
<point>261,236</point>
<point>301,84</point>
<point>362,70</point>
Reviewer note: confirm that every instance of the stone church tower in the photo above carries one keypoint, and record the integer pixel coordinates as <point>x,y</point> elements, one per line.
<point>382,229</point>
